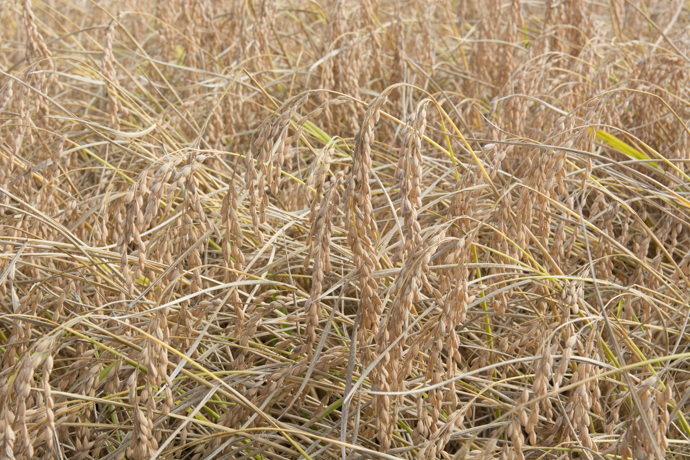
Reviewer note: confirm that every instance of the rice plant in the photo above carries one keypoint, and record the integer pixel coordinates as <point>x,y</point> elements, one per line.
<point>341,229</point>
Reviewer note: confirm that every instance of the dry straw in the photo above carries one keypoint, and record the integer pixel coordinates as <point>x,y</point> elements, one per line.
<point>339,229</point>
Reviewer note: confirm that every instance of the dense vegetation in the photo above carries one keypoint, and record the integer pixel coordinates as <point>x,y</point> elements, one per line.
<point>344,229</point>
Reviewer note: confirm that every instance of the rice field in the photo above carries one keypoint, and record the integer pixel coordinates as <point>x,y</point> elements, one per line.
<point>315,229</point>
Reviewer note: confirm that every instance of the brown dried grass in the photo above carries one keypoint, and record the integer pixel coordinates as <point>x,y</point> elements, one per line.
<point>341,229</point>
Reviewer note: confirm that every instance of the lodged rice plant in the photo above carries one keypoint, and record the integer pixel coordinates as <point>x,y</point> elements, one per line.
<point>387,229</point>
